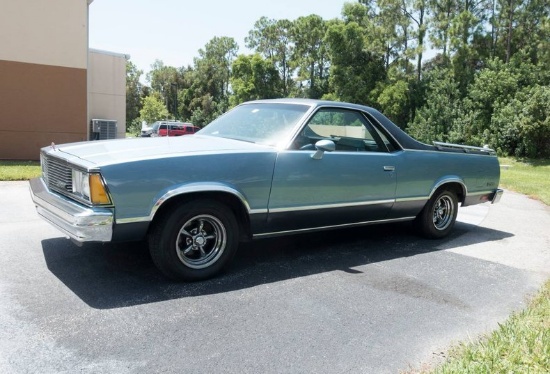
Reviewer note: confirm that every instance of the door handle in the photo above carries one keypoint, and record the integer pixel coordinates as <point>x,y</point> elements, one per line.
<point>389,168</point>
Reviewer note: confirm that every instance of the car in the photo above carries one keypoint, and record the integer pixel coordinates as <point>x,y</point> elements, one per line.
<point>263,169</point>
<point>168,128</point>
<point>146,131</point>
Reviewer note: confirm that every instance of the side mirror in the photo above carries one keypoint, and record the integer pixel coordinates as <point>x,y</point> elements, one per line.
<point>322,147</point>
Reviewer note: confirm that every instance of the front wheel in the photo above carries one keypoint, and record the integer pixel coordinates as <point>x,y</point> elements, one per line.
<point>194,241</point>
<point>438,217</point>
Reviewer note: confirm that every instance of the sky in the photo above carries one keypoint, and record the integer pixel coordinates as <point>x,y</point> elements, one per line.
<point>174,30</point>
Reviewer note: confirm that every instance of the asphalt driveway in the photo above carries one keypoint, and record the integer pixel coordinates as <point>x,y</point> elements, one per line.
<point>370,300</point>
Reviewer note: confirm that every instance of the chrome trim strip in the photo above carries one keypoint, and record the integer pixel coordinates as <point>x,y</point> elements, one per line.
<point>477,193</point>
<point>71,161</point>
<point>466,148</point>
<point>450,180</point>
<point>405,199</point>
<point>203,187</point>
<point>122,221</point>
<point>332,227</point>
<point>330,206</point>
<point>439,152</point>
<point>468,194</point>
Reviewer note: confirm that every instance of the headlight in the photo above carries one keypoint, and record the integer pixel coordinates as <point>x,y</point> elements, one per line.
<point>43,165</point>
<point>81,184</point>
<point>90,187</point>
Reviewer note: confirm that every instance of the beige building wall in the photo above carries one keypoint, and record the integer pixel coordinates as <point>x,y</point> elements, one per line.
<point>53,32</point>
<point>107,88</point>
<point>43,63</point>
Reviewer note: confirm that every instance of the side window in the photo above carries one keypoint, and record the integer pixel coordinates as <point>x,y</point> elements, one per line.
<point>389,145</point>
<point>348,129</point>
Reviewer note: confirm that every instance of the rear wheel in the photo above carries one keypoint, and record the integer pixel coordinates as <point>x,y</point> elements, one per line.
<point>438,217</point>
<point>195,240</point>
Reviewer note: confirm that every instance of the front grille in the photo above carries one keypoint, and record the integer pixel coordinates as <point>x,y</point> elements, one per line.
<point>57,175</point>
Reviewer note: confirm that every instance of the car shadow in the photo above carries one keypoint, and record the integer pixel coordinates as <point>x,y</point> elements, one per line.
<point>107,276</point>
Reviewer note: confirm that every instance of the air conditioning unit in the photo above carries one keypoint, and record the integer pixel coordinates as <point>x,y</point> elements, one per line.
<point>101,129</point>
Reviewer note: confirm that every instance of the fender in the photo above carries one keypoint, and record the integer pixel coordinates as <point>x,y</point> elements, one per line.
<point>449,179</point>
<point>201,187</point>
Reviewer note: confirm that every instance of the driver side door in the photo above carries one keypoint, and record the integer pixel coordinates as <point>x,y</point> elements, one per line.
<point>355,183</point>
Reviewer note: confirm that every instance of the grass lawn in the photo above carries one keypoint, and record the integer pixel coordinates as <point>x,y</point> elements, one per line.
<point>531,178</point>
<point>519,345</point>
<point>19,170</point>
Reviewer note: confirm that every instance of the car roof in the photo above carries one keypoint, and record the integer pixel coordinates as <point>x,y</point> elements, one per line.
<point>173,123</point>
<point>404,139</point>
<point>314,103</point>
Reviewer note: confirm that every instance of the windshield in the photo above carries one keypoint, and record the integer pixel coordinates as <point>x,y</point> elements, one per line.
<point>262,123</point>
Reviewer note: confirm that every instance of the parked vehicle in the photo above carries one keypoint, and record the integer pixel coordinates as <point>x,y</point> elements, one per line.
<point>265,168</point>
<point>146,130</point>
<point>168,128</point>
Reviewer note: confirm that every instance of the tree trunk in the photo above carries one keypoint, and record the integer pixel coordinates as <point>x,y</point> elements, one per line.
<point>510,24</point>
<point>421,34</point>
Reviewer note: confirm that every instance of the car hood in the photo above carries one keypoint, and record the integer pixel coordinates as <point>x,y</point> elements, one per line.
<point>107,152</point>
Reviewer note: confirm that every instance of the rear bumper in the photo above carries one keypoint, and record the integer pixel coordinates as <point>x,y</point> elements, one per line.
<point>483,197</point>
<point>80,223</point>
<point>497,196</point>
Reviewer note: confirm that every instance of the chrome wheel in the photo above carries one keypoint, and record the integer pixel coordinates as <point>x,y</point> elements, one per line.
<point>437,218</point>
<point>201,241</point>
<point>443,212</point>
<point>194,240</point>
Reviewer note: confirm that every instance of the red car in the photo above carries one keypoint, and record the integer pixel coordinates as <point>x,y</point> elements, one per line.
<point>167,128</point>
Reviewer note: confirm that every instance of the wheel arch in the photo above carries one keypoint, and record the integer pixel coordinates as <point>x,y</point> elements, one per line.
<point>225,195</point>
<point>454,184</point>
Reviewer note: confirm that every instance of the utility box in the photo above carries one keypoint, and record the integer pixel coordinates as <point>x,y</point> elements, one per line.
<point>101,129</point>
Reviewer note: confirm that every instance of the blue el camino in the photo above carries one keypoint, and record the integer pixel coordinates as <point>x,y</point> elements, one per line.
<point>265,168</point>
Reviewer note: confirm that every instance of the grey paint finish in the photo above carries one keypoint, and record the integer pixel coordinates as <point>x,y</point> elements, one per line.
<point>374,299</point>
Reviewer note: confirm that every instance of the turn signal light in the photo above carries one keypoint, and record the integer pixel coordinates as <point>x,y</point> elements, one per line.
<point>97,190</point>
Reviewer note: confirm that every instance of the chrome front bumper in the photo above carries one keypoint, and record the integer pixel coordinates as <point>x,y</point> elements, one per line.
<point>80,223</point>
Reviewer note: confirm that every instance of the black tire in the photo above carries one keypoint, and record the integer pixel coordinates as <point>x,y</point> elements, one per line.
<point>438,217</point>
<point>194,241</point>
